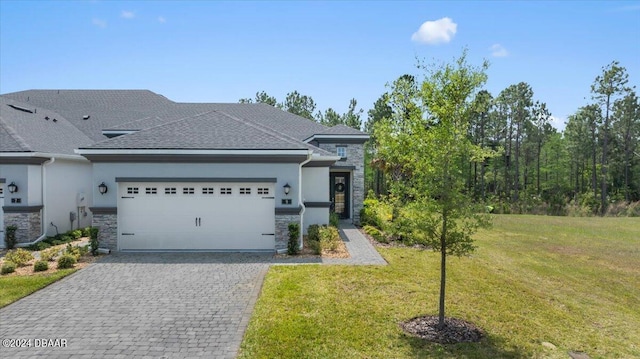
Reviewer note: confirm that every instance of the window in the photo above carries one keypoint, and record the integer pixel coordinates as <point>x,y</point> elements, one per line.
<point>225,190</point>
<point>263,190</point>
<point>132,190</point>
<point>151,190</point>
<point>245,190</point>
<point>188,190</point>
<point>169,190</point>
<point>208,190</point>
<point>341,151</point>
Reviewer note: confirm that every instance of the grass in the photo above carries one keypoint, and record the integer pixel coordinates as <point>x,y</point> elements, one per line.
<point>13,288</point>
<point>573,282</point>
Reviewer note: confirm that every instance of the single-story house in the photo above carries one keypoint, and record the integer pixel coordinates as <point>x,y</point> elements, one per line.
<point>157,175</point>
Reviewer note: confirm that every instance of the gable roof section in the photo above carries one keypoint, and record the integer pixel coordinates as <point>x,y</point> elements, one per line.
<point>105,108</point>
<point>24,128</point>
<point>209,131</point>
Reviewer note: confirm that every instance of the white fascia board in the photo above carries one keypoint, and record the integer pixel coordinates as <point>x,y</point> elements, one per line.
<point>44,154</point>
<point>337,137</point>
<point>188,152</point>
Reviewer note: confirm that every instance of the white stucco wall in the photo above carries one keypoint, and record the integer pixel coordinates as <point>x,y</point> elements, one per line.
<point>65,179</point>
<point>34,185</point>
<point>19,175</point>
<point>315,216</point>
<point>315,184</point>
<point>107,173</point>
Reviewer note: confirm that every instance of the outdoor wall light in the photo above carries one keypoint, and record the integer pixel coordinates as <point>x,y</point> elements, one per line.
<point>102,188</point>
<point>287,188</point>
<point>13,188</point>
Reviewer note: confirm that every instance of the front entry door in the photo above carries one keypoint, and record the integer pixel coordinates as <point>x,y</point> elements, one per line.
<point>339,191</point>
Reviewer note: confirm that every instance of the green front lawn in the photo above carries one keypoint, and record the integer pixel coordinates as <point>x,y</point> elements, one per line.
<point>572,282</point>
<point>13,288</point>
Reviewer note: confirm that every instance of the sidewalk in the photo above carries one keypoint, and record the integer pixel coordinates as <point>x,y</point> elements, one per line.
<point>361,251</point>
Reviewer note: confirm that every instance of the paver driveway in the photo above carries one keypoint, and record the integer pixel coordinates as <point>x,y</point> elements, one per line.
<point>173,305</point>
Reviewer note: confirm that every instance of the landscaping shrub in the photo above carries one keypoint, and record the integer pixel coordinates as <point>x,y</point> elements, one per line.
<point>293,246</point>
<point>375,233</point>
<point>313,233</point>
<point>376,213</point>
<point>77,234</point>
<point>56,242</point>
<point>40,266</point>
<point>39,246</point>
<point>10,237</point>
<point>315,246</point>
<point>49,254</point>
<point>93,234</point>
<point>86,231</point>
<point>66,261</point>
<point>73,251</point>
<point>19,256</point>
<point>65,239</point>
<point>8,267</point>
<point>329,238</point>
<point>334,219</point>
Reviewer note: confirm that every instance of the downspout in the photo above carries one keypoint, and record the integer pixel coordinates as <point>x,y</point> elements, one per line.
<point>43,220</point>
<point>300,201</point>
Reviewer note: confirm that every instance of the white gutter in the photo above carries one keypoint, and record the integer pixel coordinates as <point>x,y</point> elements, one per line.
<point>42,154</point>
<point>300,201</point>
<point>44,219</point>
<point>187,152</point>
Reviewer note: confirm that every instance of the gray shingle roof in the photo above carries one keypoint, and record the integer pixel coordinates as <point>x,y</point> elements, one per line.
<point>22,131</point>
<point>340,130</point>
<point>143,109</point>
<point>212,130</point>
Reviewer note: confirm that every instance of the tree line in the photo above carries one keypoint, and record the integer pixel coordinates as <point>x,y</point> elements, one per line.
<point>533,167</point>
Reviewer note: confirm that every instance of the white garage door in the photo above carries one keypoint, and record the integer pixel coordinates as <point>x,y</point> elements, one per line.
<point>196,216</point>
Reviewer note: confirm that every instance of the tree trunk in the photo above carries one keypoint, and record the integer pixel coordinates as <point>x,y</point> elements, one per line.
<point>443,268</point>
<point>605,143</point>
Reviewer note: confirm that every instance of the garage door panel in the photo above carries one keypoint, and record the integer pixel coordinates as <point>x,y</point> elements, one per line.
<point>209,216</point>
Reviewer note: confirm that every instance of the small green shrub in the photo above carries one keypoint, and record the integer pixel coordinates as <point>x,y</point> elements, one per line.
<point>39,246</point>
<point>313,233</point>
<point>66,238</point>
<point>375,233</point>
<point>10,239</point>
<point>329,238</point>
<point>49,254</point>
<point>19,256</point>
<point>315,246</point>
<point>73,251</point>
<point>86,231</point>
<point>66,261</point>
<point>334,219</point>
<point>40,266</point>
<point>293,245</point>
<point>56,242</point>
<point>8,267</point>
<point>93,242</point>
<point>77,234</point>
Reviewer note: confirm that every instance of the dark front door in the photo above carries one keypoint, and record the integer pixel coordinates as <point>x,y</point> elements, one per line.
<point>339,191</point>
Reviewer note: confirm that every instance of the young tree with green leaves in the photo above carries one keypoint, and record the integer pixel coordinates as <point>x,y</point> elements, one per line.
<point>427,145</point>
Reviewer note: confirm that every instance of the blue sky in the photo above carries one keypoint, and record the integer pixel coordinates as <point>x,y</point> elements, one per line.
<point>206,51</point>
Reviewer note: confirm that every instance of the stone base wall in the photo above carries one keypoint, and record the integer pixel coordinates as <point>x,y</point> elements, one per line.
<point>29,225</point>
<point>282,229</point>
<point>108,230</point>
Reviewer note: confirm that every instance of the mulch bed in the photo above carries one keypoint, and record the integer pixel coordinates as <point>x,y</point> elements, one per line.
<point>306,252</point>
<point>454,331</point>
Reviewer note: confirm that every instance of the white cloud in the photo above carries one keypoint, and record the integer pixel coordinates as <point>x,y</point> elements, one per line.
<point>557,122</point>
<point>435,32</point>
<point>127,14</point>
<point>99,23</point>
<point>161,19</point>
<point>498,50</point>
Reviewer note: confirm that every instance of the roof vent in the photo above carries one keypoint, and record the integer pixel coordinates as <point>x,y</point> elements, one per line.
<point>46,118</point>
<point>85,117</point>
<point>23,109</point>
<point>54,120</point>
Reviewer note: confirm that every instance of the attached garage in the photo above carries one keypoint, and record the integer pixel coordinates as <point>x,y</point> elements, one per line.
<point>196,214</point>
